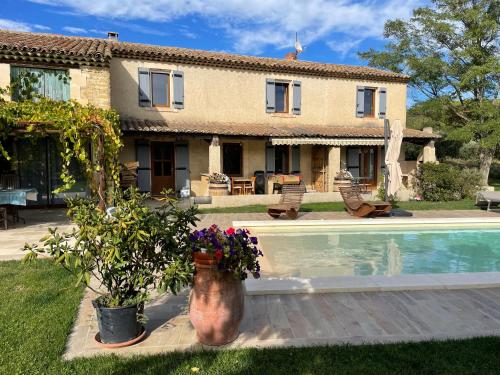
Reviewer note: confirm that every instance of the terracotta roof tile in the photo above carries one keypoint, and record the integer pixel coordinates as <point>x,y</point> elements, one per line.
<point>261,130</point>
<point>99,51</point>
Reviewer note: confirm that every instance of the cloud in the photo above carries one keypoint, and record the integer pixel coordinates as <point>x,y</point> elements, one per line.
<point>21,26</point>
<point>255,25</point>
<point>343,47</point>
<point>74,30</point>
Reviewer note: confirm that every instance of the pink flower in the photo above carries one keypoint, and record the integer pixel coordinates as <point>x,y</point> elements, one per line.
<point>230,231</point>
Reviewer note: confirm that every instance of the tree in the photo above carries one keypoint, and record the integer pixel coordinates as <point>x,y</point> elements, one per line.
<point>451,53</point>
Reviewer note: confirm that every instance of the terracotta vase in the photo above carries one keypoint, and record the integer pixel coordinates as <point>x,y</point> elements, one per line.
<point>216,303</point>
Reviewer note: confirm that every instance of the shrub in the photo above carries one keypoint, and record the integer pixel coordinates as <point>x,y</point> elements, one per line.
<point>129,250</point>
<point>444,182</point>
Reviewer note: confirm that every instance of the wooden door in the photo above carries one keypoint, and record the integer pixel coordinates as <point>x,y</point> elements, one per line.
<point>162,164</point>
<point>319,168</point>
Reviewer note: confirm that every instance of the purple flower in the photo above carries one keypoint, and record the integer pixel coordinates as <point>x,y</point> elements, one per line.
<point>253,240</point>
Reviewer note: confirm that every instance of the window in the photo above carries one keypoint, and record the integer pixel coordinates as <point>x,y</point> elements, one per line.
<point>281,97</point>
<point>159,89</point>
<point>369,103</point>
<point>50,83</point>
<point>155,90</point>
<point>232,159</point>
<point>281,159</point>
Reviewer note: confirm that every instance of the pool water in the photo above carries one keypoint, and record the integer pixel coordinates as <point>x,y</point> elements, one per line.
<point>313,252</point>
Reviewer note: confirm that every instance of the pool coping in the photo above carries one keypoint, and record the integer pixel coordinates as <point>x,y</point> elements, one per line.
<point>367,221</point>
<point>374,283</point>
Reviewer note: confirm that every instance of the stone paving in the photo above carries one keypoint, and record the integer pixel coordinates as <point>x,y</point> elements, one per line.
<point>312,319</point>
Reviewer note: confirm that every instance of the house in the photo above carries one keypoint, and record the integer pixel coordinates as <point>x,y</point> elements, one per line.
<point>188,113</point>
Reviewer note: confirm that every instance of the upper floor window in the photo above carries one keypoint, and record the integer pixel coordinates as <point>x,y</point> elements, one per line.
<point>160,89</point>
<point>280,95</point>
<point>155,88</point>
<point>369,99</point>
<point>366,99</point>
<point>28,83</point>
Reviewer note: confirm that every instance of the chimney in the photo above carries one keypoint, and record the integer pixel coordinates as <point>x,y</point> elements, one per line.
<point>112,35</point>
<point>291,56</point>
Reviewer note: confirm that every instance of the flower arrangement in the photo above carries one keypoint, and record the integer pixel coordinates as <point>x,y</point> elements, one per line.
<point>232,250</point>
<point>218,178</point>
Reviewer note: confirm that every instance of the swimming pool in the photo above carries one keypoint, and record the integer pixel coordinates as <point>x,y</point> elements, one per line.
<point>308,252</point>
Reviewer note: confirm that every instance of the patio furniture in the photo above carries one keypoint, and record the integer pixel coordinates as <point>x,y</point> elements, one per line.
<point>488,199</point>
<point>3,217</point>
<point>242,186</point>
<point>9,181</point>
<point>290,201</point>
<point>12,198</point>
<point>357,206</point>
<point>280,180</point>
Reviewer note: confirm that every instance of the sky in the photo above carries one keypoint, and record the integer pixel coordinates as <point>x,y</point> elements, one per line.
<point>331,31</point>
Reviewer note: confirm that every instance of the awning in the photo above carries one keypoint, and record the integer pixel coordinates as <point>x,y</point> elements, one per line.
<point>328,141</point>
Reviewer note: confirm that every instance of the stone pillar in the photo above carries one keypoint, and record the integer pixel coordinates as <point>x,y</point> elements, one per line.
<point>333,165</point>
<point>429,151</point>
<point>214,156</point>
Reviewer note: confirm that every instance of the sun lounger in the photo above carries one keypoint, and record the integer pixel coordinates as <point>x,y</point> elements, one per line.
<point>357,206</point>
<point>291,198</point>
<point>488,199</point>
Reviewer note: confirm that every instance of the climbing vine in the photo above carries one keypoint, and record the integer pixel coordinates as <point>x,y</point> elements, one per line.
<point>87,134</point>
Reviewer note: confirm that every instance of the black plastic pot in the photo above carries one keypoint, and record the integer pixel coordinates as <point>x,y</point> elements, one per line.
<point>118,324</point>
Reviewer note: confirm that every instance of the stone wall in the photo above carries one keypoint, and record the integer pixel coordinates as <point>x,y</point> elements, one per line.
<point>91,85</point>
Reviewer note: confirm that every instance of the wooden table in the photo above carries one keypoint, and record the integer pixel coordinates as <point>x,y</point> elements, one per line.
<point>242,186</point>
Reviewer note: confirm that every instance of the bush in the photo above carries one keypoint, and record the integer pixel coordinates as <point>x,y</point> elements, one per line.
<point>444,182</point>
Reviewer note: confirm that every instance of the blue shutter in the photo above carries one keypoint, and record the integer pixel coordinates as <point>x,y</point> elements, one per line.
<point>143,154</point>
<point>182,179</point>
<point>178,78</point>
<point>296,97</point>
<point>296,159</point>
<point>360,101</point>
<point>270,159</point>
<point>382,93</point>
<point>144,88</point>
<point>270,96</point>
<point>54,84</point>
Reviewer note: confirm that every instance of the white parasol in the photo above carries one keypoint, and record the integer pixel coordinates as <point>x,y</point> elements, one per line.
<point>391,159</point>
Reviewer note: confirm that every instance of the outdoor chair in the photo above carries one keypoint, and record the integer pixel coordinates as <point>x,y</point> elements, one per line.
<point>488,199</point>
<point>357,206</point>
<point>291,198</point>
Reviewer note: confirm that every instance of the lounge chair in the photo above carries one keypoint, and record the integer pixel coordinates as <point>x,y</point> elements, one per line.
<point>357,206</point>
<point>488,199</point>
<point>291,198</point>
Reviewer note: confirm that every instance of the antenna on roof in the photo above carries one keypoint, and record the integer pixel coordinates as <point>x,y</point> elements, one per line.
<point>298,49</point>
<point>298,45</point>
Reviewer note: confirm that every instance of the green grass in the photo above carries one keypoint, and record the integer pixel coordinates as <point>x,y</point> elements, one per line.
<point>39,303</point>
<point>465,204</point>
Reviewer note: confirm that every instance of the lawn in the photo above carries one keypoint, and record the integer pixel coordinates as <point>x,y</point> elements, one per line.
<point>39,303</point>
<point>465,204</point>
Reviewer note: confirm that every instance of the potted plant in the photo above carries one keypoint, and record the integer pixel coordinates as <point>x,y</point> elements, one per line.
<point>222,259</point>
<point>218,184</point>
<point>122,254</point>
